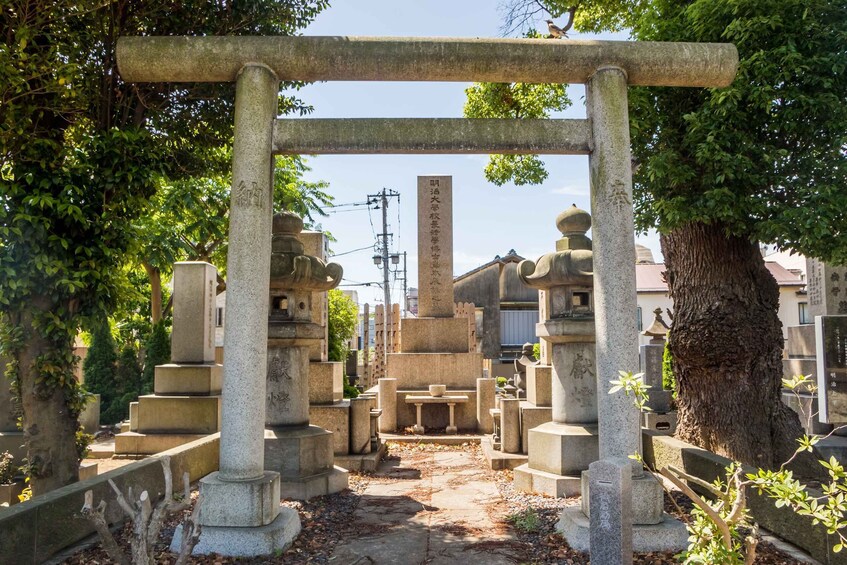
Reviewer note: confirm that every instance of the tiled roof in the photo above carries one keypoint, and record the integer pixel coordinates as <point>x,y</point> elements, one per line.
<point>648,278</point>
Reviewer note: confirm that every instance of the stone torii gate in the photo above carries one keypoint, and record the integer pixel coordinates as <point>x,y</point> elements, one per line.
<point>240,505</point>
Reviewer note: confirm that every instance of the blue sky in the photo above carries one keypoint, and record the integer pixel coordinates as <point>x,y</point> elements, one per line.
<point>487,220</point>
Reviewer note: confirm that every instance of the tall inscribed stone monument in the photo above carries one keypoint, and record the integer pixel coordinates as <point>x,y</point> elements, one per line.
<point>434,347</point>
<point>435,247</point>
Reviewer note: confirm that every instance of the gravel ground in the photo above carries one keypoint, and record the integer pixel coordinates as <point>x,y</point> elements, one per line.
<point>327,520</point>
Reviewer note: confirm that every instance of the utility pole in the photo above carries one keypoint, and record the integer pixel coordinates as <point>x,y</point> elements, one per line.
<point>405,284</point>
<point>386,289</point>
<point>383,258</point>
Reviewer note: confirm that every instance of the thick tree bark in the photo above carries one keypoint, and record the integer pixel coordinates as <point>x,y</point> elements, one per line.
<point>155,276</point>
<point>49,427</point>
<point>726,343</point>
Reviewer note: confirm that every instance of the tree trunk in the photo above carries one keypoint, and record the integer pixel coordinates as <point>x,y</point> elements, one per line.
<point>49,427</point>
<point>155,276</point>
<point>726,343</point>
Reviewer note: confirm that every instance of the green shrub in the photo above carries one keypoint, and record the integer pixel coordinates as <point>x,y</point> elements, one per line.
<point>342,317</point>
<point>157,349</point>
<point>98,369</point>
<point>668,379</point>
<point>349,390</point>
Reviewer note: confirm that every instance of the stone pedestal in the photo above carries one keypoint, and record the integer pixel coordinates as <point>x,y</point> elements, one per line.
<point>303,456</point>
<point>186,400</point>
<point>388,405</point>
<point>561,449</point>
<point>485,392</point>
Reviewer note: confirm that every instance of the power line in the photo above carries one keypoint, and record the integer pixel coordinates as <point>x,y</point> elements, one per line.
<point>352,251</point>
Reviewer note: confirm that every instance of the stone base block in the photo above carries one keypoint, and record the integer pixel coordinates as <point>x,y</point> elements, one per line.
<point>801,341</point>
<point>434,335</point>
<point>241,504</point>
<point>664,424</point>
<point>246,542</point>
<point>531,417</point>
<point>87,469</point>
<point>668,535</point>
<point>806,405</point>
<point>531,480</point>
<point>419,370</point>
<point>660,400</point>
<point>14,443</point>
<point>133,444</point>
<point>791,367</point>
<point>366,463</point>
<point>179,414</point>
<point>833,446</point>
<point>304,488</point>
<point>539,385</point>
<point>125,426</point>
<point>89,419</point>
<point>498,460</point>
<point>563,449</point>
<point>326,382</point>
<point>187,380</point>
<point>335,418</point>
<point>133,418</point>
<point>648,498</point>
<point>300,452</point>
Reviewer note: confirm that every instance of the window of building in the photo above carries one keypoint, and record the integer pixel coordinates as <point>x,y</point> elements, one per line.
<point>638,320</point>
<point>219,317</point>
<point>803,308</point>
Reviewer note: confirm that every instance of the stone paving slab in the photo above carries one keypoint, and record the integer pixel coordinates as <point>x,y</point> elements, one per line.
<point>430,508</point>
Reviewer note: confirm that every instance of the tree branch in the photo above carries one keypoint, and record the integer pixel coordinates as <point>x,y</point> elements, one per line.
<point>710,512</point>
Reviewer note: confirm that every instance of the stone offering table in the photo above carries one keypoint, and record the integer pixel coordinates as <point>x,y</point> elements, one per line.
<point>450,401</point>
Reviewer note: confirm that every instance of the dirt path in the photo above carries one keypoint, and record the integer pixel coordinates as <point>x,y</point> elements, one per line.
<point>431,508</point>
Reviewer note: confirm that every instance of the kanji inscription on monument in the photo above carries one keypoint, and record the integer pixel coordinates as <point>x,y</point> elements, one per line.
<point>831,333</point>
<point>435,246</point>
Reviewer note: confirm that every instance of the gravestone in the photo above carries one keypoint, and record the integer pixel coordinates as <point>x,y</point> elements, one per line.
<point>434,348</point>
<point>186,400</point>
<point>435,246</point>
<point>611,522</point>
<point>826,287</point>
<point>831,337</point>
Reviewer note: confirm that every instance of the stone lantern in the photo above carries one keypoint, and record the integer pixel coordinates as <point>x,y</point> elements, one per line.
<point>300,452</point>
<point>560,450</point>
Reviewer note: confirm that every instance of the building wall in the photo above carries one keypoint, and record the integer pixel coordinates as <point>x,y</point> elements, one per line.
<point>647,302</point>
<point>483,289</point>
<point>789,310</point>
<point>512,289</point>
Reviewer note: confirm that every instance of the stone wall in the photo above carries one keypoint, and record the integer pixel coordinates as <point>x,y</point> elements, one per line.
<point>34,531</point>
<point>661,451</point>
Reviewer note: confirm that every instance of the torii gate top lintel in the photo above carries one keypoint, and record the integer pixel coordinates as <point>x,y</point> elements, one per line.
<point>325,58</point>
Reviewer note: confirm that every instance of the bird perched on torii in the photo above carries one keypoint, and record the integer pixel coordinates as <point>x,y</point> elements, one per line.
<point>555,31</point>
